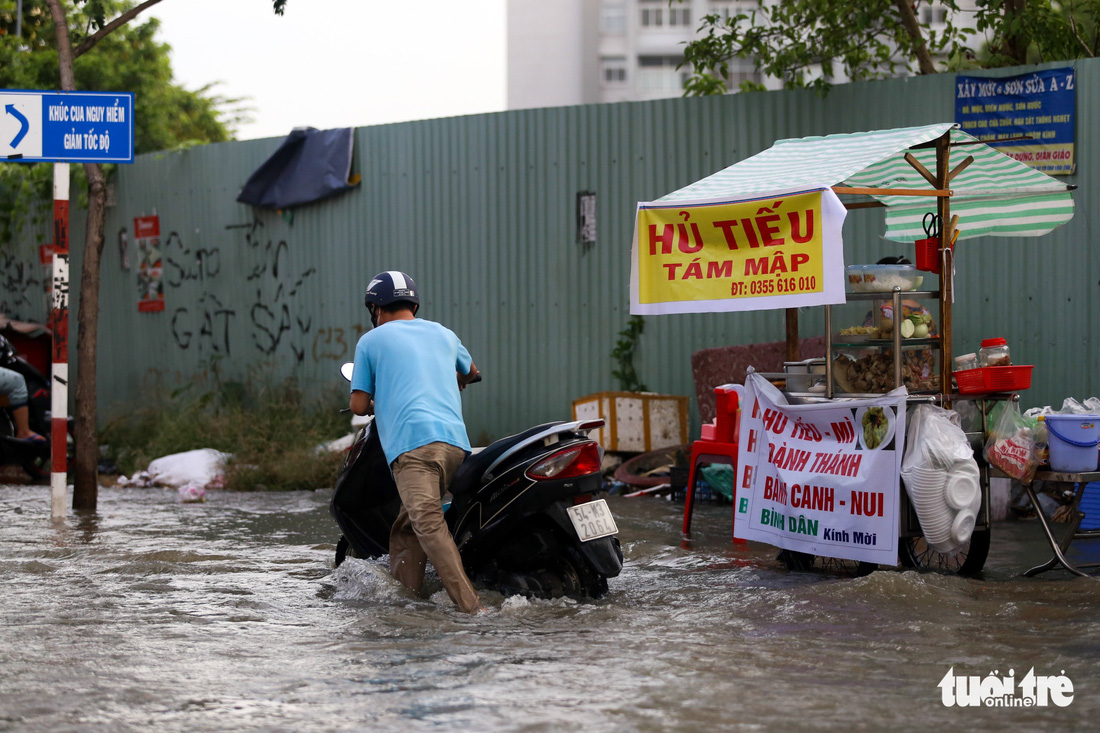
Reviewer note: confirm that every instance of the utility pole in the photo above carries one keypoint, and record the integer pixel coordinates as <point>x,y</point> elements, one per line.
<point>59,326</point>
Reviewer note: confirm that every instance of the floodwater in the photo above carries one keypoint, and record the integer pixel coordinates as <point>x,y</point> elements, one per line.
<point>227,616</point>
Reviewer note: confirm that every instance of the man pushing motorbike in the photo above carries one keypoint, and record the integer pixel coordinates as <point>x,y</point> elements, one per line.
<point>405,375</point>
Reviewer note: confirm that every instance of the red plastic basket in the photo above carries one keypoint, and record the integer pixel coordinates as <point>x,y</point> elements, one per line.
<point>928,254</point>
<point>994,379</point>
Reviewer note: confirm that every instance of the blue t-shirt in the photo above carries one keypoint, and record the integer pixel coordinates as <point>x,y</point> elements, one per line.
<point>409,368</point>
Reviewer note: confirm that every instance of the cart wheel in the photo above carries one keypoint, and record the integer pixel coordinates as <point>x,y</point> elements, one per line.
<point>914,552</point>
<point>803,562</point>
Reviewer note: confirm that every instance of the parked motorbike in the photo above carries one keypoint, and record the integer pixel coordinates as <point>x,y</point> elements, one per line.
<point>526,512</point>
<point>34,458</point>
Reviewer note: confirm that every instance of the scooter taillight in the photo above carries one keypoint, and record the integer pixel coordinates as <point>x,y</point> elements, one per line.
<point>576,460</point>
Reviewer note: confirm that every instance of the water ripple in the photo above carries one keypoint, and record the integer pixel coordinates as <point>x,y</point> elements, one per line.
<point>228,616</point>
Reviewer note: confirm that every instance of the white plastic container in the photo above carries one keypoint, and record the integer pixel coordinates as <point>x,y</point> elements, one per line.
<point>966,361</point>
<point>883,278</point>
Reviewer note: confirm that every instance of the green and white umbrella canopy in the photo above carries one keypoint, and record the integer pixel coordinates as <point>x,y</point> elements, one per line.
<point>995,195</point>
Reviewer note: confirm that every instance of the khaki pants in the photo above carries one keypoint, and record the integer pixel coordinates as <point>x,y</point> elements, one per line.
<point>420,532</point>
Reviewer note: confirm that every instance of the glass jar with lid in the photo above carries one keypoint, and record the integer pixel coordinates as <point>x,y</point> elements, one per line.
<point>966,361</point>
<point>994,352</point>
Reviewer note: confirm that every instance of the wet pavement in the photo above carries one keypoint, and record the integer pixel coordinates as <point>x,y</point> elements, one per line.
<point>228,616</point>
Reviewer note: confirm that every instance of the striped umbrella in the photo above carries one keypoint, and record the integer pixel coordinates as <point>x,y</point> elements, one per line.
<point>996,194</point>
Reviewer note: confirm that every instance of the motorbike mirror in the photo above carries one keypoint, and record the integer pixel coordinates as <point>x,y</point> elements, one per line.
<point>346,370</point>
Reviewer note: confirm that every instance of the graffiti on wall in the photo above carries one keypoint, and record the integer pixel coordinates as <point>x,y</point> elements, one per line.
<point>18,281</point>
<point>274,319</point>
<point>208,325</point>
<point>205,325</point>
<point>273,315</point>
<point>335,343</point>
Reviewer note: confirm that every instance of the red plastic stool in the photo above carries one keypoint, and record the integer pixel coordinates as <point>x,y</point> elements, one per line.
<point>718,444</point>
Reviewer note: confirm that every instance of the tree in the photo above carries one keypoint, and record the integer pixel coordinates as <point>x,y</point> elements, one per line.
<point>90,27</point>
<point>166,115</point>
<point>809,43</point>
<point>1034,31</point>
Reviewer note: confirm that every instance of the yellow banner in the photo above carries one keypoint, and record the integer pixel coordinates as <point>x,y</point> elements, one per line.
<point>770,249</point>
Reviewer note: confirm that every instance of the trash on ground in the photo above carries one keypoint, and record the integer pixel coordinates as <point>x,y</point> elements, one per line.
<point>204,467</point>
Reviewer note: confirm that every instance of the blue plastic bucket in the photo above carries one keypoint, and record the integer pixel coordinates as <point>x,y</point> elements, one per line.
<point>1073,442</point>
<point>1090,505</point>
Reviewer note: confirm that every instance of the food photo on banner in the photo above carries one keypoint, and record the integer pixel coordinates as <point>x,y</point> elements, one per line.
<point>820,478</point>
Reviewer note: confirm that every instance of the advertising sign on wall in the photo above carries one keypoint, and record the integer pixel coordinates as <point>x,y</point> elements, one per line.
<point>780,251</point>
<point>150,269</point>
<point>1033,114</point>
<point>820,478</point>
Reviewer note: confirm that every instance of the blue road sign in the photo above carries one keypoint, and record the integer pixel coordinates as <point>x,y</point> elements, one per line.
<point>77,127</point>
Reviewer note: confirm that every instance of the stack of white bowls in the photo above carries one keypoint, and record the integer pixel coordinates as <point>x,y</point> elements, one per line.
<point>963,493</point>
<point>925,485</point>
<point>946,501</point>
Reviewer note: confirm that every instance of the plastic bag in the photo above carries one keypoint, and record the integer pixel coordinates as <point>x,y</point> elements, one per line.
<point>1011,444</point>
<point>192,493</point>
<point>204,466</point>
<point>719,477</point>
<point>935,438</point>
<point>1071,406</point>
<point>941,477</point>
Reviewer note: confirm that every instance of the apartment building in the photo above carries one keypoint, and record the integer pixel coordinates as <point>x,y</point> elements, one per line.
<point>565,52</point>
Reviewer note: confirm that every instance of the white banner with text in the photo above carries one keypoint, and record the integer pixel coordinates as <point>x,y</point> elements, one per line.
<point>821,478</point>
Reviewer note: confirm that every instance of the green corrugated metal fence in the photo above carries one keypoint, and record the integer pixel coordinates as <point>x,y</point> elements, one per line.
<point>481,210</point>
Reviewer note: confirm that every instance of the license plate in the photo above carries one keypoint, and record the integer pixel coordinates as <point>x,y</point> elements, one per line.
<point>592,520</point>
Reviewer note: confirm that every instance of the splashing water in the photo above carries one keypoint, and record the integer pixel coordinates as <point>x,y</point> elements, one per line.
<point>227,615</point>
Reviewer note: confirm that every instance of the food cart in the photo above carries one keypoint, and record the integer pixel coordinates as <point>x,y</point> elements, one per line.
<point>766,233</point>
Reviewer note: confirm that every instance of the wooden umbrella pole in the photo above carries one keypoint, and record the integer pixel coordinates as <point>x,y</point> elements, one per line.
<point>792,334</point>
<point>943,208</point>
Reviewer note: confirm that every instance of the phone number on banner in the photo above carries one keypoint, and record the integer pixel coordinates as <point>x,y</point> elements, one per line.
<point>780,285</point>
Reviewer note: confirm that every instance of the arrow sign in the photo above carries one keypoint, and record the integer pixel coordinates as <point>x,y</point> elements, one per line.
<point>74,127</point>
<point>23,125</point>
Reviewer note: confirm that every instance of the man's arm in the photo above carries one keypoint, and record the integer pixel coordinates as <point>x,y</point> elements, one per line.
<point>361,403</point>
<point>464,379</point>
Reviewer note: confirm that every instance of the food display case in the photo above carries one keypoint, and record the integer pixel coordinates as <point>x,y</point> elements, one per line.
<point>876,361</point>
<point>744,238</point>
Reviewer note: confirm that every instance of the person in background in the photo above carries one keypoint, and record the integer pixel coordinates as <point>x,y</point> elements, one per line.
<point>14,387</point>
<point>408,373</point>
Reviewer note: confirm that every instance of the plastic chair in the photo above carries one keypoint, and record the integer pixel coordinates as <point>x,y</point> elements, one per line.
<point>718,444</point>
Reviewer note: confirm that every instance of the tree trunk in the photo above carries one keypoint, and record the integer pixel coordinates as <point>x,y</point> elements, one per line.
<point>86,464</point>
<point>1016,42</point>
<point>64,46</point>
<point>85,470</point>
<point>912,27</point>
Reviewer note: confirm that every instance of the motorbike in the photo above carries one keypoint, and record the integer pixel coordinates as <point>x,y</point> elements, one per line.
<point>34,458</point>
<point>527,512</point>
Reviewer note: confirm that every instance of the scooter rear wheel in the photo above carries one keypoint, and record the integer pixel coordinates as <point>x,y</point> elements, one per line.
<point>551,569</point>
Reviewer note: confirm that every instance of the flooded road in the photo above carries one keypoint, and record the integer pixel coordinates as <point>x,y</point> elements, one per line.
<point>228,616</point>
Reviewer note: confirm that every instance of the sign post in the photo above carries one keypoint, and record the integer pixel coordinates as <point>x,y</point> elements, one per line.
<point>59,327</point>
<point>64,127</point>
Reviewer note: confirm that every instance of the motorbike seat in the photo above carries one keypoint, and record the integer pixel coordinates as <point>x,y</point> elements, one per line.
<point>468,476</point>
